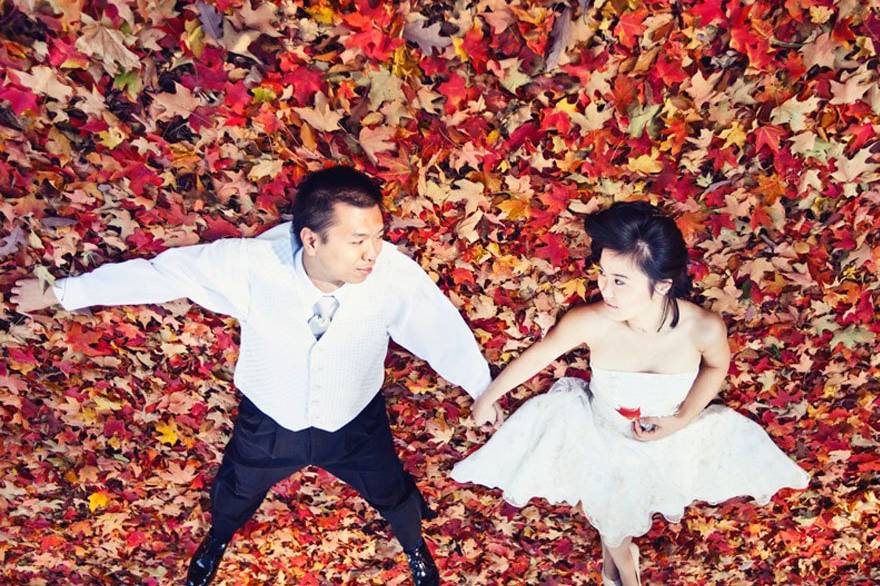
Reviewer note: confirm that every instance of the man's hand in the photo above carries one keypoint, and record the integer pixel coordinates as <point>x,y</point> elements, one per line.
<point>485,411</point>
<point>28,295</point>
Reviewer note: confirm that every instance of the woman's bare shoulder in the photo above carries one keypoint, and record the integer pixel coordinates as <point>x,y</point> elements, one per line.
<point>703,325</point>
<point>591,318</point>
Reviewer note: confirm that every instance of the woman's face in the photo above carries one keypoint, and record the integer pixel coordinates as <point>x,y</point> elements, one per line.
<point>626,289</point>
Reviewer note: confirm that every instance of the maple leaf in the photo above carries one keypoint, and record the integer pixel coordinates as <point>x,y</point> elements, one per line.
<point>99,41</point>
<point>43,81</point>
<point>820,52</point>
<point>554,250</point>
<point>178,474</point>
<point>454,90</point>
<point>850,169</point>
<point>98,500</point>
<point>427,38</point>
<point>211,19</point>
<point>794,112</point>
<point>514,208</point>
<point>320,117</point>
<point>376,140</point>
<point>180,103</point>
<point>630,27</point>
<point>384,86</point>
<point>701,89</point>
<point>645,163</point>
<point>709,11</point>
<point>265,168</point>
<point>768,136</point>
<point>630,413</point>
<point>851,337</point>
<point>12,242</point>
<point>168,433</point>
<point>510,75</point>
<point>261,19</point>
<point>853,88</point>
<point>499,18</point>
<point>20,100</point>
<point>560,38</point>
<point>239,42</point>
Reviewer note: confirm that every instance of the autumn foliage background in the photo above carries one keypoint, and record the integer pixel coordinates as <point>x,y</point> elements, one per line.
<point>127,127</point>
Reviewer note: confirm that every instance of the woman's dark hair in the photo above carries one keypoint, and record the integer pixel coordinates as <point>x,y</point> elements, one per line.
<point>321,190</point>
<point>641,231</point>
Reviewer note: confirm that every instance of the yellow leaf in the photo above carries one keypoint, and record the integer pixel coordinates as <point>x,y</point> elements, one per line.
<point>733,135</point>
<point>458,44</point>
<point>322,14</point>
<point>98,500</point>
<point>575,286</point>
<point>105,404</point>
<point>645,163</point>
<point>514,209</point>
<point>111,138</point>
<point>167,433</point>
<point>195,37</point>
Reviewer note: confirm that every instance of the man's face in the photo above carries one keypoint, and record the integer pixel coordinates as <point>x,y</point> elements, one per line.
<point>349,247</point>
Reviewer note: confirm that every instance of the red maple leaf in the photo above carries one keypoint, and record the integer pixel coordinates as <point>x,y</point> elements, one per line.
<point>630,27</point>
<point>19,99</point>
<point>744,40</point>
<point>477,49</point>
<point>305,82</point>
<point>455,91</point>
<point>374,43</point>
<point>86,342</point>
<point>768,136</point>
<point>237,97</point>
<point>670,71</point>
<point>555,250</point>
<point>630,413</point>
<point>219,228</point>
<point>708,12</point>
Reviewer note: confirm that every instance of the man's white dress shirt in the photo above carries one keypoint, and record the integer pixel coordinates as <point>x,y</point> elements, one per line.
<point>296,380</point>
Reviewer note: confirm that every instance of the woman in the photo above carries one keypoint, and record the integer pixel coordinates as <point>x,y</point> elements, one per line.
<point>640,439</point>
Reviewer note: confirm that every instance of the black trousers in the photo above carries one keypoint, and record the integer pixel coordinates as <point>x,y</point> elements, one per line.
<point>361,453</point>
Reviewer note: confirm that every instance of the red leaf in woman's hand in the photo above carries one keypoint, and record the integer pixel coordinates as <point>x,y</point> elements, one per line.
<point>630,413</point>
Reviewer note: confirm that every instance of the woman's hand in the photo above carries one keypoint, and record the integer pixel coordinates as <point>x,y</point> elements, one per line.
<point>657,427</point>
<point>486,411</point>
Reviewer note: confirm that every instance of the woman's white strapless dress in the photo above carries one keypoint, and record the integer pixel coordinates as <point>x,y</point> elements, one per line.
<point>574,444</point>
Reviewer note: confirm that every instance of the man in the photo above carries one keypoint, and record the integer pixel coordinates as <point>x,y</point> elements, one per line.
<point>317,302</point>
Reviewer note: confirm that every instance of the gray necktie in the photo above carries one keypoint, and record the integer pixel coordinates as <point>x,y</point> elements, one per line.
<point>324,309</point>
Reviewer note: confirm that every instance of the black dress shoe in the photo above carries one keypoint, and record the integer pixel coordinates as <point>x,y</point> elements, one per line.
<point>424,572</point>
<point>205,561</point>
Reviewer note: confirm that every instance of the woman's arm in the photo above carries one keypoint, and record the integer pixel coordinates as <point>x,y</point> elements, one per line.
<point>568,333</point>
<point>715,352</point>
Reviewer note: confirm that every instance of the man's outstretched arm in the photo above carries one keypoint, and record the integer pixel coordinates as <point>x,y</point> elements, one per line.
<point>214,276</point>
<point>429,326</point>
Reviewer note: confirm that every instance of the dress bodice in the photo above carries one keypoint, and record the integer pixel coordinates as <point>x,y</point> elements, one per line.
<point>619,396</point>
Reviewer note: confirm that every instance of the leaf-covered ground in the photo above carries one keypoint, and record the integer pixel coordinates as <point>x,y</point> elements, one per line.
<point>130,126</point>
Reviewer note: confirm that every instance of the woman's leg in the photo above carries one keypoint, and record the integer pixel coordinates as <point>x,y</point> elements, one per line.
<point>608,566</point>
<point>626,565</point>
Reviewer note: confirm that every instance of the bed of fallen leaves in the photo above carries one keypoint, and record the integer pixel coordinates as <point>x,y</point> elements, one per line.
<point>131,126</point>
